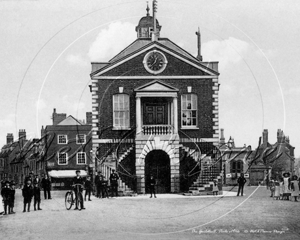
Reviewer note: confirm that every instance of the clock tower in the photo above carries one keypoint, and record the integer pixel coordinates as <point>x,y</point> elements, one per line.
<point>155,112</point>
<point>145,28</point>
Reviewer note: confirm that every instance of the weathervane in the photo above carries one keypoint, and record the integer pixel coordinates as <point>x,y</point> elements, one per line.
<point>154,35</point>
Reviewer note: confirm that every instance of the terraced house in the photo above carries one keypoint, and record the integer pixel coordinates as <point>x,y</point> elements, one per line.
<point>155,111</point>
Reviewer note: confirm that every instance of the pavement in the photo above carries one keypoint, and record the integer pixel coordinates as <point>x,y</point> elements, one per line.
<point>169,216</point>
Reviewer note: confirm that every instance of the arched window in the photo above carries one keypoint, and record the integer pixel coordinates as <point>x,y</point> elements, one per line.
<point>189,110</point>
<point>121,111</point>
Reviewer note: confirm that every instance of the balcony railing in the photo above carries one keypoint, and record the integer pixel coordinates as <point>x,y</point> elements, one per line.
<point>157,129</point>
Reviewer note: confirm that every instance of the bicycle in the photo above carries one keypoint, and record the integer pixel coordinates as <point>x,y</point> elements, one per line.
<point>70,199</point>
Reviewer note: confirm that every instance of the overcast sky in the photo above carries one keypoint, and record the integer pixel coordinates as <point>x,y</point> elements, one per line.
<point>46,48</point>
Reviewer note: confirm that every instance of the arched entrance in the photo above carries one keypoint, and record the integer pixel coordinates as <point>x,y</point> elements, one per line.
<point>157,163</point>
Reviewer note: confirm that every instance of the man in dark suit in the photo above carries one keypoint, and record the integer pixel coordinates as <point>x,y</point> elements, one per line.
<point>152,186</point>
<point>78,180</point>
<point>88,188</point>
<point>241,182</point>
<point>27,193</point>
<point>5,193</point>
<point>114,183</point>
<point>46,185</point>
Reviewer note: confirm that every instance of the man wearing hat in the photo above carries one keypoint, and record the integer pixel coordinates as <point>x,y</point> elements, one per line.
<point>78,180</point>
<point>5,193</point>
<point>46,185</point>
<point>114,183</point>
<point>12,198</point>
<point>29,177</point>
<point>27,193</point>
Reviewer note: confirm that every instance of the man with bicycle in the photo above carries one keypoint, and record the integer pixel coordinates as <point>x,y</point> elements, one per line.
<point>78,180</point>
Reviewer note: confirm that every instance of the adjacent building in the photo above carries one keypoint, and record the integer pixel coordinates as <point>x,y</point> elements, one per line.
<point>67,148</point>
<point>272,160</point>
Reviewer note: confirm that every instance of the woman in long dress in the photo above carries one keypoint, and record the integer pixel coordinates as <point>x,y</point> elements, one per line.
<point>295,188</point>
<point>286,186</point>
<point>281,188</point>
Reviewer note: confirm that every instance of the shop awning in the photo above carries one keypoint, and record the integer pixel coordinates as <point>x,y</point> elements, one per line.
<point>66,173</point>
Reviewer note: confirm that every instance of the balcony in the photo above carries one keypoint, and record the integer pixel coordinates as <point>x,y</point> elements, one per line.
<point>157,129</point>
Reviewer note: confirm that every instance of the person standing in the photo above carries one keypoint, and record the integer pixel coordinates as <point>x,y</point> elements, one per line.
<point>27,193</point>
<point>277,190</point>
<point>241,182</point>
<point>152,186</point>
<point>272,187</point>
<point>98,184</point>
<point>295,187</point>
<point>12,198</point>
<point>103,182</point>
<point>88,188</point>
<point>286,186</point>
<point>215,189</point>
<point>5,193</point>
<point>36,196</point>
<point>46,185</point>
<point>114,183</point>
<point>78,180</point>
<point>281,188</point>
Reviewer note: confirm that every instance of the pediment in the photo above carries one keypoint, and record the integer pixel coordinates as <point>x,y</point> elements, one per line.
<point>130,62</point>
<point>156,86</point>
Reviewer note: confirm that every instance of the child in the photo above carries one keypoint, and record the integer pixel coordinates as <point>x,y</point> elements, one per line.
<point>36,196</point>
<point>5,193</point>
<point>27,193</point>
<point>88,188</point>
<point>215,188</point>
<point>277,190</point>
<point>12,198</point>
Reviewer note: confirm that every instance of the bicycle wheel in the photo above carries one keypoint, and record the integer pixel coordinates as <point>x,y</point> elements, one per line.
<point>80,200</point>
<point>69,200</point>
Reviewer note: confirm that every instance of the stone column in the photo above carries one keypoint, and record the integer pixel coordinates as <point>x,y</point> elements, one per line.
<point>138,116</point>
<point>175,105</point>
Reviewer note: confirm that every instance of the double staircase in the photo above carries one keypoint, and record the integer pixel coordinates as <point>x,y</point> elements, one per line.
<point>210,171</point>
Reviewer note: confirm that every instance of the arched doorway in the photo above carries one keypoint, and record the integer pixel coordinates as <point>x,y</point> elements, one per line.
<point>157,163</point>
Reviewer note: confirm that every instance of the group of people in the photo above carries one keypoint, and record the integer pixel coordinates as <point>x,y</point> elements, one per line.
<point>101,185</point>
<point>285,187</point>
<point>31,190</point>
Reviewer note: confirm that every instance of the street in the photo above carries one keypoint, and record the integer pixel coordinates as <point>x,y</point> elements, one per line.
<point>253,216</point>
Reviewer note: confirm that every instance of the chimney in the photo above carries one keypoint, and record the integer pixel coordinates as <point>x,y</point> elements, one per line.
<point>9,138</point>
<point>89,118</point>
<point>22,134</point>
<point>265,138</point>
<point>58,117</point>
<point>222,139</point>
<point>280,136</point>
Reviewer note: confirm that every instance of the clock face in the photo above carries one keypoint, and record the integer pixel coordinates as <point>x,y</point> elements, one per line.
<point>155,62</point>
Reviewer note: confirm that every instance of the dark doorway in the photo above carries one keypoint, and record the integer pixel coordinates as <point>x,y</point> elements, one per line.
<point>157,163</point>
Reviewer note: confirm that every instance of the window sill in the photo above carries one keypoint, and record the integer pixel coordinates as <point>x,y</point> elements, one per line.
<point>120,128</point>
<point>189,128</point>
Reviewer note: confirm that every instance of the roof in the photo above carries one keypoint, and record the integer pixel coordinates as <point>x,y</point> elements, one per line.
<point>141,43</point>
<point>70,120</point>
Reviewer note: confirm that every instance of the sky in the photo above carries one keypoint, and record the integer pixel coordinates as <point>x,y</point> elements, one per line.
<point>46,50</point>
